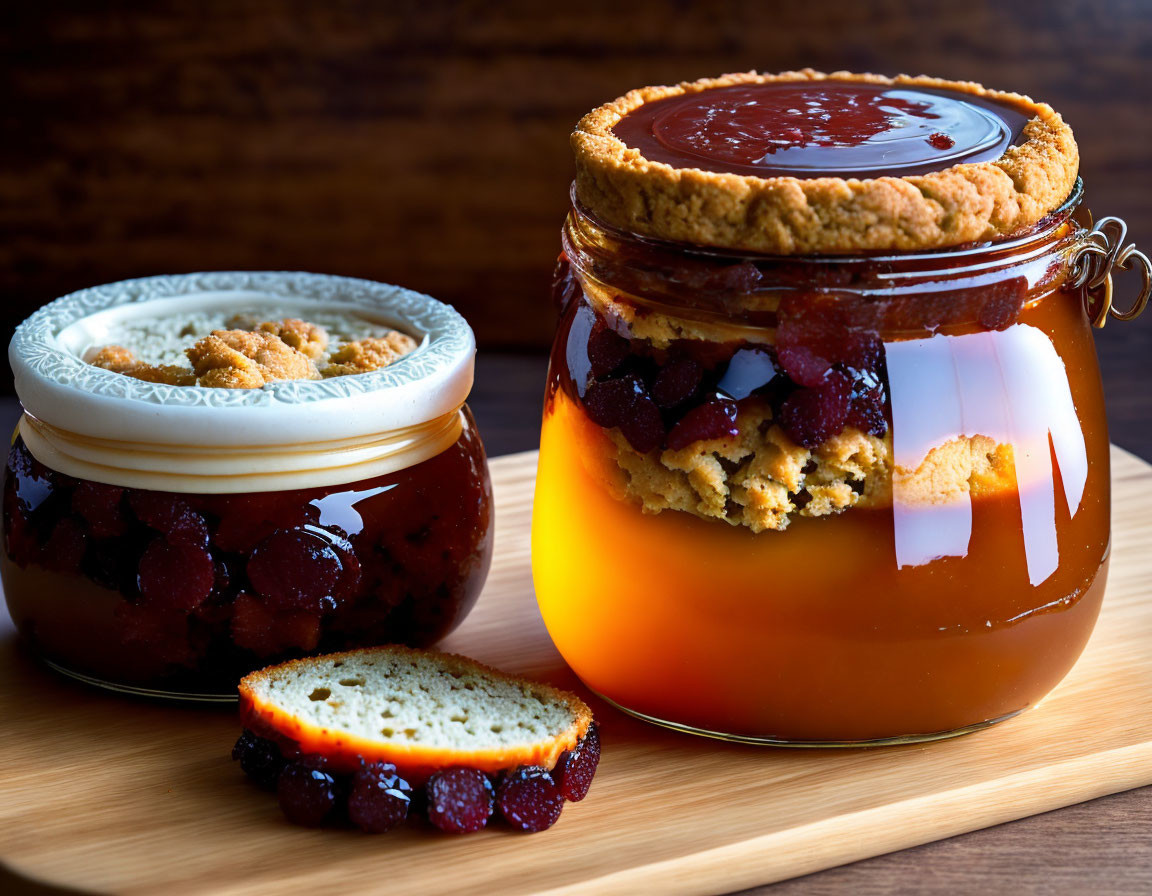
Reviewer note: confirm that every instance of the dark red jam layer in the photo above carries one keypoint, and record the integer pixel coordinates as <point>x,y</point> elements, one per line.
<point>190,592</point>
<point>822,129</point>
<point>825,372</point>
<point>456,800</point>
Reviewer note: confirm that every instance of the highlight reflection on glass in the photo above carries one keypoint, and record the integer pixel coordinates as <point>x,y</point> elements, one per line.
<point>953,396</point>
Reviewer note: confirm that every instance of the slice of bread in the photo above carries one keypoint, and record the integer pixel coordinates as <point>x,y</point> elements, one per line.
<point>419,709</point>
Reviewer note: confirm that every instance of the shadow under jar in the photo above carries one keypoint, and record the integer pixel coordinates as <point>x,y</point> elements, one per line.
<point>169,539</point>
<point>821,499</point>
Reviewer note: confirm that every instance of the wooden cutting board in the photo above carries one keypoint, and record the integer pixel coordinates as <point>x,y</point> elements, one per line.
<point>109,794</point>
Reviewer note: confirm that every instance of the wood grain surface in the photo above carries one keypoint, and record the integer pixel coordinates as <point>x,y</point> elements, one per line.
<point>425,142</point>
<point>139,798</point>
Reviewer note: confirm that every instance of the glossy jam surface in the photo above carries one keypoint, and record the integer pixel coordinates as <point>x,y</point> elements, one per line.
<point>821,129</point>
<point>186,593</point>
<point>912,615</point>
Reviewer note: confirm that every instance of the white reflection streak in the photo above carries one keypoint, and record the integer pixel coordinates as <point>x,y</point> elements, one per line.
<point>1010,386</point>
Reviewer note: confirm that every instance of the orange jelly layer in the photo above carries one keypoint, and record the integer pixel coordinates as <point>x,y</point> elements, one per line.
<point>810,634</point>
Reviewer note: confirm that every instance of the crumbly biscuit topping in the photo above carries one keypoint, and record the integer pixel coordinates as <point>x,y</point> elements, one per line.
<point>306,338</point>
<point>254,353</point>
<point>238,359</point>
<point>369,354</point>
<point>120,360</point>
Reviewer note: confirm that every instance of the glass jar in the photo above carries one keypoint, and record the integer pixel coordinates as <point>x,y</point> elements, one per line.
<point>169,539</point>
<point>823,500</point>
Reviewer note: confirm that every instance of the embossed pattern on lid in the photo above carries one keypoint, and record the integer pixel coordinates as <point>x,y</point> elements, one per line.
<point>386,419</point>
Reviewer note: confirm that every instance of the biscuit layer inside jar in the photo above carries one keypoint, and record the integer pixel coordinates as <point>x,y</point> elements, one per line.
<point>756,425</point>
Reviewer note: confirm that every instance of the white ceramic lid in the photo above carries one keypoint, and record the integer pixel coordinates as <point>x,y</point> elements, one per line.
<point>101,425</point>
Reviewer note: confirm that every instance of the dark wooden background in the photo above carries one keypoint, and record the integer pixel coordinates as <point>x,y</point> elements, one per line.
<point>425,143</point>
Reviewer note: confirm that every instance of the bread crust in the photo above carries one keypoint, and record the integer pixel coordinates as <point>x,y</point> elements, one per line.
<point>344,751</point>
<point>826,215</point>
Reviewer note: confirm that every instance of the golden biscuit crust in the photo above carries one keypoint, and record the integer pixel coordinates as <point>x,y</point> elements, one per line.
<point>119,359</point>
<point>238,359</point>
<point>761,479</point>
<point>308,338</point>
<point>116,358</point>
<point>366,355</point>
<point>830,215</point>
<point>254,353</point>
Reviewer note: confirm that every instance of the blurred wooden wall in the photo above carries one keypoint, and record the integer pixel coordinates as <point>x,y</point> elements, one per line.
<point>425,143</point>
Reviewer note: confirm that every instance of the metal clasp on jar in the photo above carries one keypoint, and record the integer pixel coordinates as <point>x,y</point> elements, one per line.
<point>1093,261</point>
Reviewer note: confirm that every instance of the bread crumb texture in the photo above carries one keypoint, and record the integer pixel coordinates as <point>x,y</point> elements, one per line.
<point>417,708</point>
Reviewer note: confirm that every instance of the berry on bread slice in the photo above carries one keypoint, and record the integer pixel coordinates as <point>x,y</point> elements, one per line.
<point>420,710</point>
<point>394,718</point>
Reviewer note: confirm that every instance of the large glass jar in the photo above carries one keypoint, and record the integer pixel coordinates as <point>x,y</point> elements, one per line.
<point>169,539</point>
<point>821,498</point>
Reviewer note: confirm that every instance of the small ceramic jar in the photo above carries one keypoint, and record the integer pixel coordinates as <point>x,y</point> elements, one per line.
<point>169,538</point>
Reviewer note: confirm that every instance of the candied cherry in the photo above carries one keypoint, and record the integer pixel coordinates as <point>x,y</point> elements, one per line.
<point>644,426</point>
<point>307,795</point>
<point>459,800</point>
<point>529,799</point>
<point>715,419</point>
<point>576,768</point>
<point>810,416</point>
<point>677,382</point>
<point>180,576</point>
<point>259,758</point>
<point>803,365</point>
<point>607,350</point>
<point>170,515</point>
<point>99,505</point>
<point>609,403</point>
<point>294,569</point>
<point>379,799</point>
<point>625,403</point>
